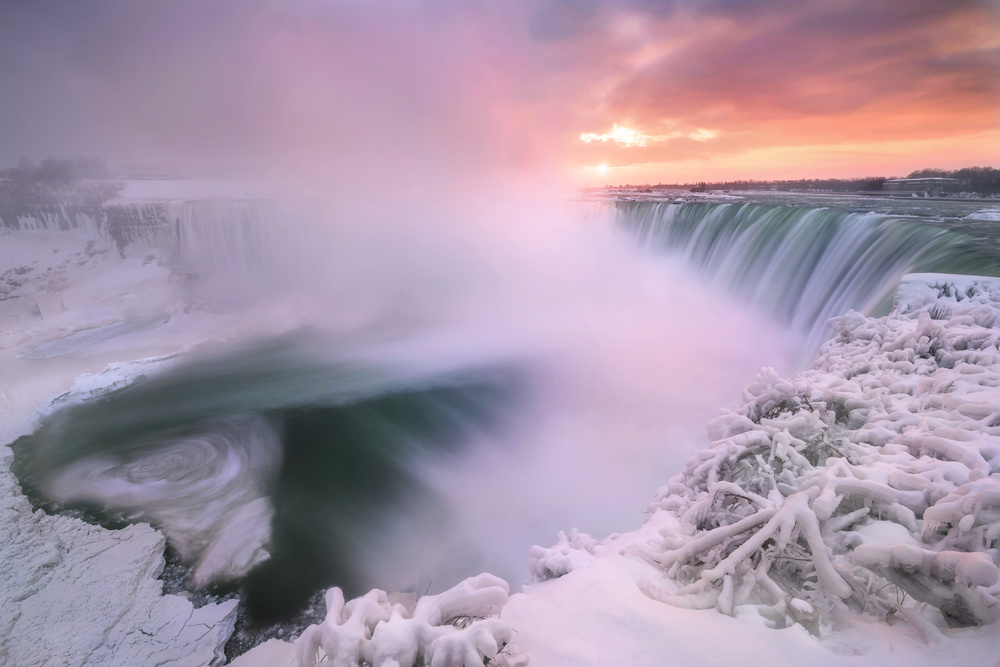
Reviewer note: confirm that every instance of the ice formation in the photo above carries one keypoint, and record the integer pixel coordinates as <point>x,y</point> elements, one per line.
<point>572,552</point>
<point>870,482</point>
<point>455,628</point>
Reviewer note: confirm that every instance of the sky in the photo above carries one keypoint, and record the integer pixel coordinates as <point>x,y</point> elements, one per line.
<point>583,92</point>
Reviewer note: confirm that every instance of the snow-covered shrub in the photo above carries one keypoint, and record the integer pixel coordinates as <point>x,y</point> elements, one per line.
<point>455,628</point>
<point>868,482</point>
<point>573,551</point>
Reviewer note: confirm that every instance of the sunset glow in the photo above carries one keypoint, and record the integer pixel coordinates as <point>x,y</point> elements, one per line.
<point>619,135</point>
<point>655,91</point>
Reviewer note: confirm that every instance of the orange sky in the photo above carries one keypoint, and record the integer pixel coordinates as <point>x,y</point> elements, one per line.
<point>698,89</point>
<point>779,89</point>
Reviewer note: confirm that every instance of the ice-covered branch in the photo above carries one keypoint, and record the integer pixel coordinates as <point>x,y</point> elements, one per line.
<point>455,628</point>
<point>870,478</point>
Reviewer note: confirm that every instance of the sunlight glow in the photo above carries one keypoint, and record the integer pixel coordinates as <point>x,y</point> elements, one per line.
<point>619,135</point>
<point>630,138</point>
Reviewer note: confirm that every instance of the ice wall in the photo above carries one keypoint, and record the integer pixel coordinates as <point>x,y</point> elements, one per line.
<point>140,223</point>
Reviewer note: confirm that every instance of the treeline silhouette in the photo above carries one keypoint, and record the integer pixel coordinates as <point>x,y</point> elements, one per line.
<point>978,180</point>
<point>82,183</point>
<point>985,180</point>
<point>58,170</point>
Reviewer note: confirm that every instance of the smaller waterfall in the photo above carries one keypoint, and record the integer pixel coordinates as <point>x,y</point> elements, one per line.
<point>804,265</point>
<point>53,218</point>
<point>225,236</point>
<point>243,237</point>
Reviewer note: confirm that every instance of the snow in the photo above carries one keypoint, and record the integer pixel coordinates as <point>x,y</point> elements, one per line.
<point>985,214</point>
<point>450,629</point>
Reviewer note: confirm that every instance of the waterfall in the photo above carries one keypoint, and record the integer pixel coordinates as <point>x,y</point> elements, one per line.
<point>245,238</point>
<point>804,265</point>
<point>225,236</point>
<point>53,219</point>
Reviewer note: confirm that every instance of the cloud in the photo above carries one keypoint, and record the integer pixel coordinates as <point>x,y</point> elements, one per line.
<point>779,73</point>
<point>455,87</point>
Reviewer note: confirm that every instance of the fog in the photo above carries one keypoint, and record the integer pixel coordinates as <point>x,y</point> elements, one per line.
<point>401,97</point>
<point>421,223</point>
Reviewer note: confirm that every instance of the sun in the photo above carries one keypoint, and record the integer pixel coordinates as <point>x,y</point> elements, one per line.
<point>602,168</point>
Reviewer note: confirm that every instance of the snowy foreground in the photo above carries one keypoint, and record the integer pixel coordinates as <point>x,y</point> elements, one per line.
<point>849,515</point>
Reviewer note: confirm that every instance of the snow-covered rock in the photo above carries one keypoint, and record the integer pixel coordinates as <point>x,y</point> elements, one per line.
<point>573,551</point>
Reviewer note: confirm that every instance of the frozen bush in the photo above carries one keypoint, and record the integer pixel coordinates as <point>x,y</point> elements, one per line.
<point>896,425</point>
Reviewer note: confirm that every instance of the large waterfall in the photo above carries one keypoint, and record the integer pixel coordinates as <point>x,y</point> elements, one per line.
<point>801,264</point>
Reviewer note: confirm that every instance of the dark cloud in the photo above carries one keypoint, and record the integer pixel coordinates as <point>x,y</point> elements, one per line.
<point>562,19</point>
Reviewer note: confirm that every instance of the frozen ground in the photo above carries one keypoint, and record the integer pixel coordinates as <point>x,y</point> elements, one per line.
<point>902,507</point>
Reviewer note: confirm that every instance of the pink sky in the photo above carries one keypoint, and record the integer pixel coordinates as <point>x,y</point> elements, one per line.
<point>453,89</point>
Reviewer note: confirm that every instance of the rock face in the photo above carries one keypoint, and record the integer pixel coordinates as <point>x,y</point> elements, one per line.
<point>76,594</point>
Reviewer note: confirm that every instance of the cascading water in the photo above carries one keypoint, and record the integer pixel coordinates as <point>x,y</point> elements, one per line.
<point>800,264</point>
<point>53,219</point>
<point>227,236</point>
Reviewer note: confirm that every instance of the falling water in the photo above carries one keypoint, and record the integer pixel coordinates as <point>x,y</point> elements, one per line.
<point>801,264</point>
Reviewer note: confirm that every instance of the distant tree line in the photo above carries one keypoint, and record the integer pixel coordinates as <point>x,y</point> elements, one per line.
<point>984,180</point>
<point>81,183</point>
<point>58,170</point>
<point>978,180</point>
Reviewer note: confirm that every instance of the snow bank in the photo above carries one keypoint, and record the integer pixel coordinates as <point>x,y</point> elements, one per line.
<point>869,483</point>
